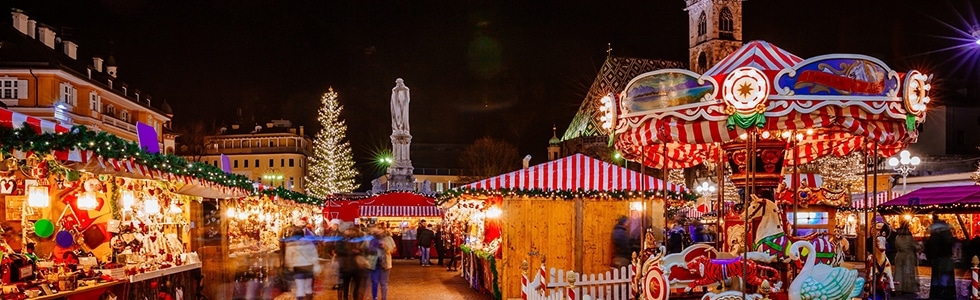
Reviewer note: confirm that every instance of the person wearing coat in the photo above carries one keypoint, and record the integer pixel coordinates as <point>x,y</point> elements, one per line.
<point>300,256</point>
<point>906,264</point>
<point>425,239</point>
<point>380,248</point>
<point>621,244</point>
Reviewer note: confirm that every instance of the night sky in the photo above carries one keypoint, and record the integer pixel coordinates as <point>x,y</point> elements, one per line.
<point>507,69</point>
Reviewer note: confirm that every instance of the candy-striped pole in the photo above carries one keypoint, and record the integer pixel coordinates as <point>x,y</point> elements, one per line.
<point>543,278</point>
<point>975,284</point>
<point>524,267</point>
<point>570,277</point>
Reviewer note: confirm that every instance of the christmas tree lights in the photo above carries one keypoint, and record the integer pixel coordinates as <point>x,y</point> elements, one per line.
<point>331,168</point>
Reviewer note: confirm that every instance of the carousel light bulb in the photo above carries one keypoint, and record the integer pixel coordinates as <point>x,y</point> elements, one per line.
<point>809,131</point>
<point>799,137</point>
<point>87,201</point>
<point>128,199</point>
<point>787,134</point>
<point>765,134</point>
<point>37,197</point>
<point>151,205</point>
<point>743,136</point>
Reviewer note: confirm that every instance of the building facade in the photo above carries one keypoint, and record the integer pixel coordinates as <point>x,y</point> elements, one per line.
<point>274,154</point>
<point>43,75</point>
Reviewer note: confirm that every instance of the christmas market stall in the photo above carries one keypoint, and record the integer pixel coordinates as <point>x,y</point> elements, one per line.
<point>564,210</point>
<point>399,210</point>
<point>959,206</point>
<point>88,214</point>
<point>761,113</point>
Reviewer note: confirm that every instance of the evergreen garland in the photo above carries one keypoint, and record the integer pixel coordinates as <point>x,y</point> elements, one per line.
<point>564,194</point>
<point>106,145</point>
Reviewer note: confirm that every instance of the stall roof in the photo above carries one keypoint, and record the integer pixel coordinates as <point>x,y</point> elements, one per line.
<point>573,173</point>
<point>958,199</point>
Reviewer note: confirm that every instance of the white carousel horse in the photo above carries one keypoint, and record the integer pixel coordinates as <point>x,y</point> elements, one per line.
<point>820,281</point>
<point>771,236</point>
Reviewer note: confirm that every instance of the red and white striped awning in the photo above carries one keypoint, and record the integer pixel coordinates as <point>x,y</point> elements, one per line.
<point>15,120</point>
<point>400,211</point>
<point>573,173</point>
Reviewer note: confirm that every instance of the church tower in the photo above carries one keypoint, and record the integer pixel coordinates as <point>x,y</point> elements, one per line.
<point>554,145</point>
<point>714,31</point>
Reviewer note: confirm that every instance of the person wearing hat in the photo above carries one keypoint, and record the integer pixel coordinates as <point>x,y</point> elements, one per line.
<point>939,252</point>
<point>621,244</point>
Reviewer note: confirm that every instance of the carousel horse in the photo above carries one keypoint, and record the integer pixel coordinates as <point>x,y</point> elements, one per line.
<point>834,195</point>
<point>771,236</point>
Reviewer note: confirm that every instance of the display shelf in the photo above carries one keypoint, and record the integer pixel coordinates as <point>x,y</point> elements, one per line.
<point>163,272</point>
<point>79,290</point>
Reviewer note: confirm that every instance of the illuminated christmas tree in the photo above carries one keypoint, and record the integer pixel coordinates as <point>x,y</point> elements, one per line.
<point>331,168</point>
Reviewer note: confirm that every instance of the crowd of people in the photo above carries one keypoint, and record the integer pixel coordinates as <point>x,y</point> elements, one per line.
<point>358,256</point>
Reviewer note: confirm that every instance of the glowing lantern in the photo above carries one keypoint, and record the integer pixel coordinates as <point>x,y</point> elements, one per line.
<point>151,205</point>
<point>87,201</point>
<point>37,197</point>
<point>128,199</point>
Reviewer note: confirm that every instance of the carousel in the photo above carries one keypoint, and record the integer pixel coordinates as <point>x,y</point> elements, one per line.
<point>762,113</point>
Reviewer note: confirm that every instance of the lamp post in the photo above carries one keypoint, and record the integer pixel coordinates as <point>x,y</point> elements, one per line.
<point>272,176</point>
<point>903,164</point>
<point>706,189</point>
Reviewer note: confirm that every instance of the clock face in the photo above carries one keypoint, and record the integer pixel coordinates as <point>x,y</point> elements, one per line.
<point>745,89</point>
<point>916,94</point>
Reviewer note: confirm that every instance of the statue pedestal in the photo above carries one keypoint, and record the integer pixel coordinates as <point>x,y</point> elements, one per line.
<point>401,182</point>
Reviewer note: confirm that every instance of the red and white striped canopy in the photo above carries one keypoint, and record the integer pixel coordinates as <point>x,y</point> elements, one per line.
<point>15,120</point>
<point>573,173</point>
<point>400,211</point>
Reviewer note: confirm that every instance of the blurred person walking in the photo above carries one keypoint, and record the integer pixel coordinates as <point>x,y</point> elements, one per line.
<point>352,264</point>
<point>408,245</point>
<point>300,257</point>
<point>440,243</point>
<point>906,264</point>
<point>379,260</point>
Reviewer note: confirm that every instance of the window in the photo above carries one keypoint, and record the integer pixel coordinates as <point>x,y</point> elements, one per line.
<point>110,110</point>
<point>256,163</point>
<point>271,144</point>
<point>246,163</point>
<point>272,163</point>
<point>282,162</point>
<point>290,162</point>
<point>68,93</point>
<point>726,24</point>
<point>236,163</point>
<point>94,101</point>
<point>124,115</point>
<point>13,88</point>
<point>292,182</point>
<point>702,25</point>
<point>702,63</point>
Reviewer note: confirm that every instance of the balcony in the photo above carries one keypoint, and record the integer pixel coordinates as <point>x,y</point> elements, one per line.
<point>257,150</point>
<point>107,120</point>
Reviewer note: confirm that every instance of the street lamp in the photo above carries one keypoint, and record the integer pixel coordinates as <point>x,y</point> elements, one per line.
<point>903,164</point>
<point>273,176</point>
<point>705,189</point>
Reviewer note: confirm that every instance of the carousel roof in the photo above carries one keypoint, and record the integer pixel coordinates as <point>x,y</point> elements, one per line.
<point>831,104</point>
<point>757,54</point>
<point>575,172</point>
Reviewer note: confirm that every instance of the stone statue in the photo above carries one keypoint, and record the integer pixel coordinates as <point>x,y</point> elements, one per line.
<point>377,187</point>
<point>399,106</point>
<point>426,187</point>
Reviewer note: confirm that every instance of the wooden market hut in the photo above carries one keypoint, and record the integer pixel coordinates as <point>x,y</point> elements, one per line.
<point>565,209</point>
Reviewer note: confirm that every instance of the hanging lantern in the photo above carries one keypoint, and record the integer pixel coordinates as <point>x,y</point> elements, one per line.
<point>37,197</point>
<point>128,199</point>
<point>151,205</point>
<point>87,201</point>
